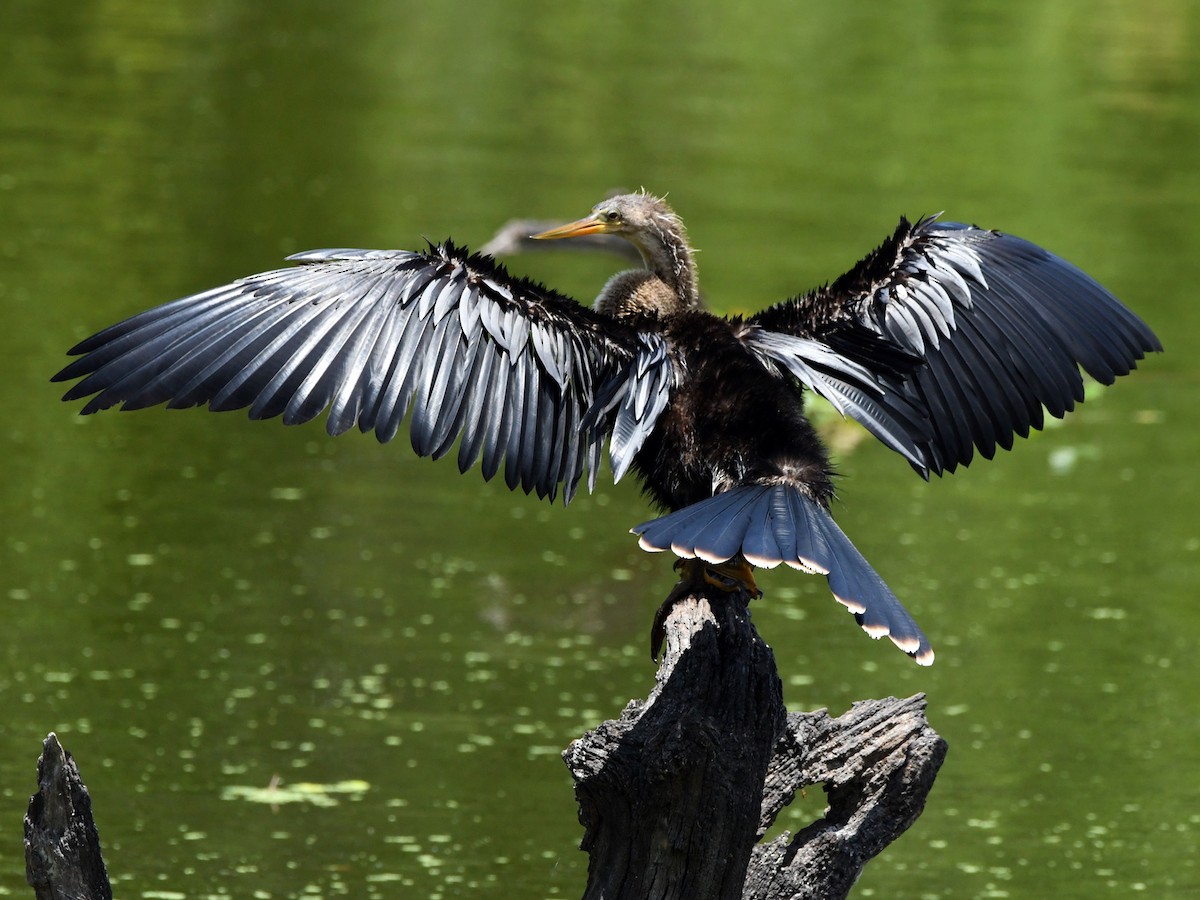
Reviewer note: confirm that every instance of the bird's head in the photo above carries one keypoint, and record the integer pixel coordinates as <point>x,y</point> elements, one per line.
<point>644,220</point>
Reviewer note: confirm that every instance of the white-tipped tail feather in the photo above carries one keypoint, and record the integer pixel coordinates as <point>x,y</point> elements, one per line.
<point>771,524</point>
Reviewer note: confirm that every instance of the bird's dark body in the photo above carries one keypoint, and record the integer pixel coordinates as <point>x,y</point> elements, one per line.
<point>946,342</point>
<point>730,420</point>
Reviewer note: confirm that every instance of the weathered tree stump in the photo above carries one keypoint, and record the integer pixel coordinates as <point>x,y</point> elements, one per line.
<point>877,762</point>
<point>676,793</point>
<point>62,848</point>
<point>670,793</point>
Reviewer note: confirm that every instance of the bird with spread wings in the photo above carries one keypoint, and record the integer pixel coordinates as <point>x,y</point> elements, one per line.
<point>945,341</point>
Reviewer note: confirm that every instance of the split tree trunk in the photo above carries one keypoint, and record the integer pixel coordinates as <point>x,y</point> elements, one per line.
<point>676,793</point>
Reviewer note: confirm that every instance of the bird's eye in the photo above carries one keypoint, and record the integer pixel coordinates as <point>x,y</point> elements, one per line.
<point>612,216</point>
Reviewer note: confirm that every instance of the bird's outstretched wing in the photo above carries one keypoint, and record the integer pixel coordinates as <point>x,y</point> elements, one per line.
<point>971,336</point>
<point>522,374</point>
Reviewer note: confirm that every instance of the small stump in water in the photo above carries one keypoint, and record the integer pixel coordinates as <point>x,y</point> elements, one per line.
<point>62,848</point>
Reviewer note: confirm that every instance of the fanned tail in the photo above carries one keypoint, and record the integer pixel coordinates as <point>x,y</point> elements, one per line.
<point>771,524</point>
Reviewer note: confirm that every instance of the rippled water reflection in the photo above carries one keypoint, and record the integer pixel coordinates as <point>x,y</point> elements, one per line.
<point>295,666</point>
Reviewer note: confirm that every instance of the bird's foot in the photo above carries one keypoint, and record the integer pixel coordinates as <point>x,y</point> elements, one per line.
<point>731,577</point>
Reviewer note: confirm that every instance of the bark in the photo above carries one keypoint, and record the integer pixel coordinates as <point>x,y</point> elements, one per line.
<point>670,793</point>
<point>62,848</point>
<point>877,763</point>
<point>675,795</point>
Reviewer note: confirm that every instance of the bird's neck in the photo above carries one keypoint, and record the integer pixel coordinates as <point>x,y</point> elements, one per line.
<point>668,256</point>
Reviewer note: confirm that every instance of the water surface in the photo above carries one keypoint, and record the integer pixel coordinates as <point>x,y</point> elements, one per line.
<point>298,666</point>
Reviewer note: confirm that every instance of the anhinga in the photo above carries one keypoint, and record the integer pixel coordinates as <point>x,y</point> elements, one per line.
<point>945,340</point>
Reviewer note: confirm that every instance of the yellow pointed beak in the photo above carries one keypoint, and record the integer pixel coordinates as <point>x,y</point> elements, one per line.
<point>590,225</point>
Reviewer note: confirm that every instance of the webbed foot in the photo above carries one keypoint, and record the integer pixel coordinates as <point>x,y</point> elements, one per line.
<point>732,576</point>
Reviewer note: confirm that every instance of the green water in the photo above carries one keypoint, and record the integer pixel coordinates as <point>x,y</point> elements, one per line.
<point>200,605</point>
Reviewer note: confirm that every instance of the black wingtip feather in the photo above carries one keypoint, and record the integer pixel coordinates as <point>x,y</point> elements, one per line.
<point>1001,325</point>
<point>369,335</point>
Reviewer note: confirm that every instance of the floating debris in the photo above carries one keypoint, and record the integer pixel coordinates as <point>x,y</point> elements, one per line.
<point>276,794</point>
